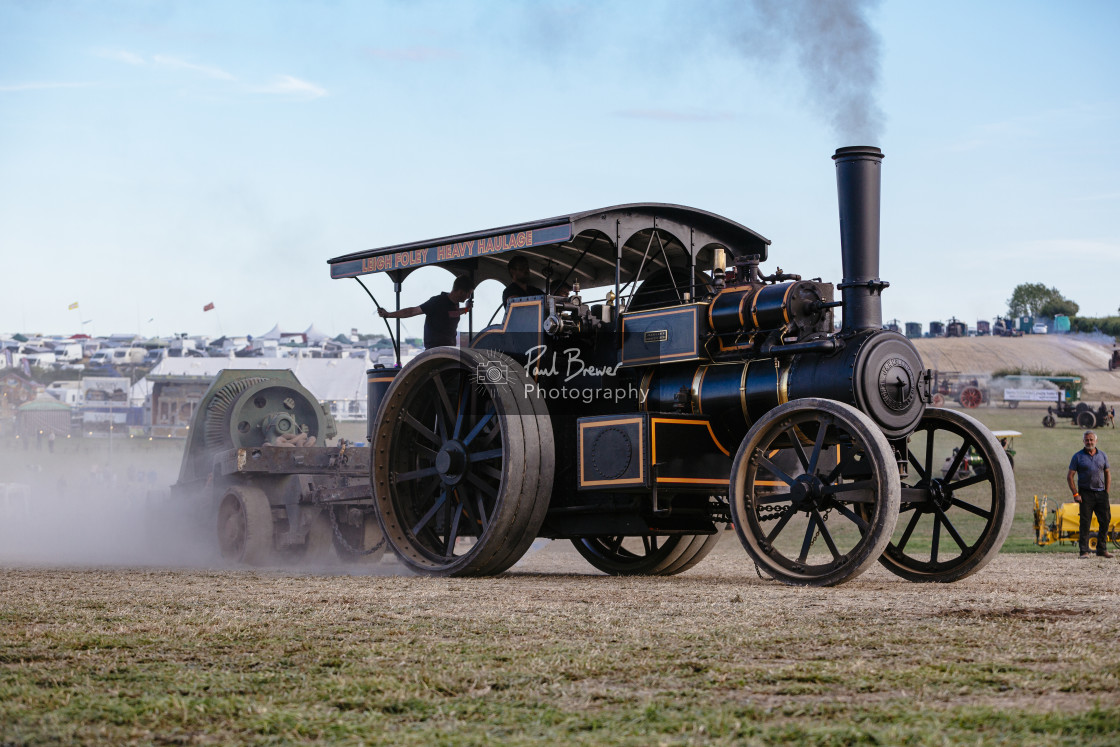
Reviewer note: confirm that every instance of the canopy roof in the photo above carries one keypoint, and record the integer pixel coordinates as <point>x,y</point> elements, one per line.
<point>581,246</point>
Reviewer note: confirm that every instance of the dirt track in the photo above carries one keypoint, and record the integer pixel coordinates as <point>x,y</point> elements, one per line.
<point>1080,353</point>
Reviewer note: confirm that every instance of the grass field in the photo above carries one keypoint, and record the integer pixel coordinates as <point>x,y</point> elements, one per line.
<point>1024,652</point>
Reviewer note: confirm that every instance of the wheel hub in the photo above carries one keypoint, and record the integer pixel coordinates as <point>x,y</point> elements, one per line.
<point>940,494</point>
<point>806,492</point>
<point>451,462</point>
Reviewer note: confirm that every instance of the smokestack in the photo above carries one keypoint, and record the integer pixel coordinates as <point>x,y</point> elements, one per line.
<point>858,187</point>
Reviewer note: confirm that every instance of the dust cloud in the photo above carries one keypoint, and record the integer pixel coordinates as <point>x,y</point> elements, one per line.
<point>86,502</point>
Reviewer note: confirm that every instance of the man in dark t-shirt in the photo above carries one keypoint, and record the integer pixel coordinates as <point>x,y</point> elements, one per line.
<point>1089,480</point>
<point>519,273</point>
<point>441,313</point>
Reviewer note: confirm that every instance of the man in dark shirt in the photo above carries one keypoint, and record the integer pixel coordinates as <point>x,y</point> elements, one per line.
<point>519,273</point>
<point>441,313</point>
<point>1093,480</point>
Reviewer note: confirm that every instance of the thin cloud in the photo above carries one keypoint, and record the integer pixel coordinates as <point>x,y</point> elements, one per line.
<point>175,63</point>
<point>411,54</point>
<point>41,86</point>
<point>1067,249</point>
<point>669,115</point>
<point>120,55</point>
<point>289,85</point>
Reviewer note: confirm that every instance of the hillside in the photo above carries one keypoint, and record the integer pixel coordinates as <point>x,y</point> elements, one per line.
<point>1079,353</point>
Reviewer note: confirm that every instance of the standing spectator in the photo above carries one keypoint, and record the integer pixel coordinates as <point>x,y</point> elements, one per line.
<point>441,313</point>
<point>1090,489</point>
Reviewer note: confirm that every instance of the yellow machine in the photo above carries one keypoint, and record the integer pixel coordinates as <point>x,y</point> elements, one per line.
<point>1065,524</point>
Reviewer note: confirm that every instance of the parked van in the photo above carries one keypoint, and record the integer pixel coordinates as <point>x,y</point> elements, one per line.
<point>117,357</point>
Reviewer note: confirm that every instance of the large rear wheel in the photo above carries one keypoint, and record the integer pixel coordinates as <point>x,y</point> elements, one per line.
<point>652,555</point>
<point>826,520</point>
<point>462,463</point>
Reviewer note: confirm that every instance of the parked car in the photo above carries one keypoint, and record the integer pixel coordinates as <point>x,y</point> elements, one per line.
<point>1039,329</point>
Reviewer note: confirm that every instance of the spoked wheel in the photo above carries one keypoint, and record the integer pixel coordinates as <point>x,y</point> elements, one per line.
<point>949,527</point>
<point>828,520</point>
<point>971,397</point>
<point>245,526</point>
<point>646,556</point>
<point>462,464</point>
<point>1048,421</point>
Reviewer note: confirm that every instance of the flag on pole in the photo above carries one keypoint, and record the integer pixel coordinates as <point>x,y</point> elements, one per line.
<point>73,306</point>
<point>208,307</point>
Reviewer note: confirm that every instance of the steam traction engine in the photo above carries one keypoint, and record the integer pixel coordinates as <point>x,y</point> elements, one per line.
<point>697,391</point>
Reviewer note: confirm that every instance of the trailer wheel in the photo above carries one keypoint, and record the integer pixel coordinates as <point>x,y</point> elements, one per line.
<point>245,526</point>
<point>462,464</point>
<point>1048,421</point>
<point>824,524</point>
<point>949,528</point>
<point>971,397</point>
<point>645,556</point>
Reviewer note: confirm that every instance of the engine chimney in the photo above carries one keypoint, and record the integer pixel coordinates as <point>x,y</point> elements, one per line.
<point>858,187</point>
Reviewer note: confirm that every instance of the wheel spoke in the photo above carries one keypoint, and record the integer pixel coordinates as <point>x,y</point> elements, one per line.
<point>839,469</point>
<point>482,456</point>
<point>468,505</point>
<point>415,474</point>
<point>936,538</point>
<point>482,485</point>
<point>448,410</point>
<point>922,473</point>
<point>808,541</point>
<point>818,446</point>
<point>430,514</point>
<point>826,535</point>
<point>962,452</point>
<point>929,454</point>
<point>987,476</point>
<point>774,470</point>
<point>478,427</point>
<point>970,508</point>
<point>909,530</point>
<point>856,519</point>
<point>951,529</point>
<point>423,430</point>
<point>453,532</point>
<point>798,448</point>
<point>465,393</point>
<point>486,470</point>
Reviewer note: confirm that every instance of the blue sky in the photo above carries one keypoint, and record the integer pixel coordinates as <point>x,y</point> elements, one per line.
<point>159,156</point>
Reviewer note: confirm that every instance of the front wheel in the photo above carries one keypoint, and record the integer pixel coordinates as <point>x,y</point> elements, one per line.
<point>951,525</point>
<point>828,518</point>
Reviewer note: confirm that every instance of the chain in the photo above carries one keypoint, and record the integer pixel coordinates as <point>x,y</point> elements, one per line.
<point>817,533</point>
<point>342,540</point>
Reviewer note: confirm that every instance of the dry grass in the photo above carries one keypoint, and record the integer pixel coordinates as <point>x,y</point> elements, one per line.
<point>552,652</point>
